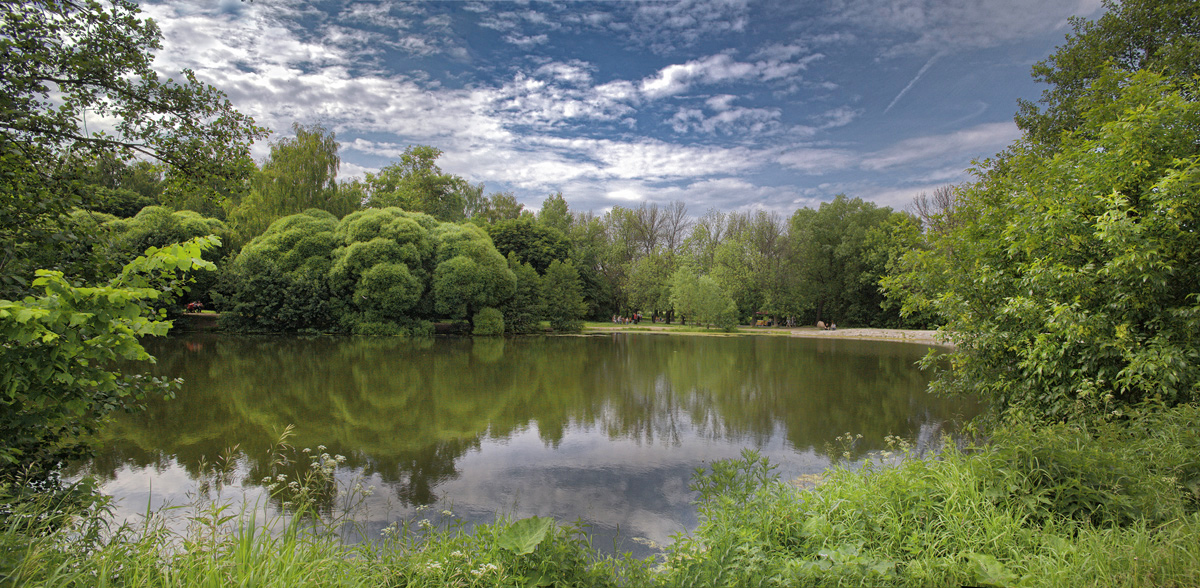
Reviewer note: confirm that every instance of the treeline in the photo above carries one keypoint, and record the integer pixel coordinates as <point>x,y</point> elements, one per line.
<point>296,240</point>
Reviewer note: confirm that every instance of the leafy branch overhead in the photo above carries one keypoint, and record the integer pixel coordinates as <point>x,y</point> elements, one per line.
<point>72,68</point>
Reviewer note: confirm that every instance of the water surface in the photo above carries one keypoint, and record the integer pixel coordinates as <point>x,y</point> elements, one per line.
<point>606,428</point>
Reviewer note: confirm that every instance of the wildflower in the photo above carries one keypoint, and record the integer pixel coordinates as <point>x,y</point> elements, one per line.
<point>424,523</point>
<point>433,566</point>
<point>320,448</point>
<point>281,478</point>
<point>307,450</point>
<point>484,569</point>
<point>340,458</point>
<point>447,513</point>
<point>457,554</point>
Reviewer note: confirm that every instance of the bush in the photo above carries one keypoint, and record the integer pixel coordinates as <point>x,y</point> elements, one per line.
<point>1059,506</point>
<point>488,322</point>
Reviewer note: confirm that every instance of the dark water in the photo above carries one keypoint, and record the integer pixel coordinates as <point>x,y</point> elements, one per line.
<point>607,429</point>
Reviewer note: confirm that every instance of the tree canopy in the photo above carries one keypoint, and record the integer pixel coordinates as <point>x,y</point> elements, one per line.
<point>65,63</point>
<point>1069,282</point>
<point>1133,35</point>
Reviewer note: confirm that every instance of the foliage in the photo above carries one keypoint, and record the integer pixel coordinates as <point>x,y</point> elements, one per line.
<point>1133,35</point>
<point>66,62</point>
<point>488,322</point>
<point>300,174</point>
<point>380,271</point>
<point>555,213</point>
<point>649,283</point>
<point>501,206</point>
<point>1070,282</point>
<point>470,274</point>
<point>563,297</point>
<point>524,311</point>
<point>702,301</point>
<point>417,184</point>
<point>954,519</point>
<point>58,383</point>
<point>840,252</point>
<point>532,242</point>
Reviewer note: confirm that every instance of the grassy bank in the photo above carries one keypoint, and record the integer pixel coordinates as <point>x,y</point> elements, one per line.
<point>1115,504</point>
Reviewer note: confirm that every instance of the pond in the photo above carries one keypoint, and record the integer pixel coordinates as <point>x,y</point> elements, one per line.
<point>606,429</point>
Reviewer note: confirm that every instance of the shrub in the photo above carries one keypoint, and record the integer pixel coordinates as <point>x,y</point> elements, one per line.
<point>488,322</point>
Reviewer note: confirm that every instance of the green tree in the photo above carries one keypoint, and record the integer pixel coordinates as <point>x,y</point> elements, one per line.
<point>66,62</point>
<point>650,282</point>
<point>555,213</point>
<point>502,206</point>
<point>702,301</point>
<point>417,184</point>
<point>58,383</point>
<point>1133,35</point>
<point>831,252</point>
<point>524,311</point>
<point>1069,284</point>
<point>532,242</point>
<point>470,275</point>
<point>563,297</point>
<point>300,174</point>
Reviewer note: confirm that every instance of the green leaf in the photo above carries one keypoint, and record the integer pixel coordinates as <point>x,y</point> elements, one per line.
<point>990,572</point>
<point>525,535</point>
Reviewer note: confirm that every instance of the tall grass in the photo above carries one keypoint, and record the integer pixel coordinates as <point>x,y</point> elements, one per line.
<point>1116,505</point>
<point>1110,505</point>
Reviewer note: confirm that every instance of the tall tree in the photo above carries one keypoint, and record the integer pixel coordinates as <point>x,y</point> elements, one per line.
<point>1070,282</point>
<point>1132,35</point>
<point>562,296</point>
<point>830,249</point>
<point>300,173</point>
<point>417,184</point>
<point>555,213</point>
<point>62,63</point>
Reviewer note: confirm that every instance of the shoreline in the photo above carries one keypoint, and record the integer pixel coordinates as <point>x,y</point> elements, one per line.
<point>923,337</point>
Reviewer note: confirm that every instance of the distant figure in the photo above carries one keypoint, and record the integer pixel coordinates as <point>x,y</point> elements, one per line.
<point>195,306</point>
<point>833,327</point>
<point>821,325</point>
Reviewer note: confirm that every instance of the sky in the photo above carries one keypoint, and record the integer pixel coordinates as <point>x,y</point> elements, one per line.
<point>722,104</point>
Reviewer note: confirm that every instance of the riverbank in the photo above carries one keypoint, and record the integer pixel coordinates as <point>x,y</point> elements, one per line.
<point>1060,505</point>
<point>924,337</point>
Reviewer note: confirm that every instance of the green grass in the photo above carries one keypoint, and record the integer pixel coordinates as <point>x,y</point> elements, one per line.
<point>1114,504</point>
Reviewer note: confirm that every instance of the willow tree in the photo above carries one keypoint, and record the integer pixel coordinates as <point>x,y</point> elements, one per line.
<point>300,174</point>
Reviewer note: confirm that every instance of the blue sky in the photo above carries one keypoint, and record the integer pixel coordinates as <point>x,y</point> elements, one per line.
<point>727,104</point>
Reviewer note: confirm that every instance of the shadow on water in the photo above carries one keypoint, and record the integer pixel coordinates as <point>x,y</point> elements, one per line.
<point>604,428</point>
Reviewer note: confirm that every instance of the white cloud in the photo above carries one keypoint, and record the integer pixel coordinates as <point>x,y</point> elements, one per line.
<point>980,140</point>
<point>946,25</point>
<point>729,121</point>
<point>816,160</point>
<point>679,78</point>
<point>525,42</point>
<point>665,26</point>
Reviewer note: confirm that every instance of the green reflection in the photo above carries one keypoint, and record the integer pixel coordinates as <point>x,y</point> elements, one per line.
<point>408,410</point>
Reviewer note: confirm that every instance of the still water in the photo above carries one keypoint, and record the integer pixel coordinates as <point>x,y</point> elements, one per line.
<point>607,428</point>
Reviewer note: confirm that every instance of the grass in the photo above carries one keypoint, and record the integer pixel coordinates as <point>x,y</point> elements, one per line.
<point>1065,505</point>
<point>674,328</point>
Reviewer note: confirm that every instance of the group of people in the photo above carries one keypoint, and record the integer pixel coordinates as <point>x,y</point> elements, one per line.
<point>627,320</point>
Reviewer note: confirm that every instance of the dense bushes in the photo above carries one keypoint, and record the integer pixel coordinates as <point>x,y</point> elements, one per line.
<point>378,272</point>
<point>1054,506</point>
